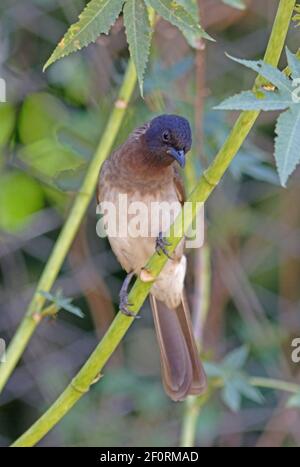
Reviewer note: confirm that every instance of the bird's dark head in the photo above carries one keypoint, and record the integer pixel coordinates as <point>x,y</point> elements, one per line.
<point>168,138</point>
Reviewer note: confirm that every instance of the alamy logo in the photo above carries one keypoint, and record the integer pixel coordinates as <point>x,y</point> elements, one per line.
<point>296,352</point>
<point>135,219</point>
<point>2,351</point>
<point>2,90</point>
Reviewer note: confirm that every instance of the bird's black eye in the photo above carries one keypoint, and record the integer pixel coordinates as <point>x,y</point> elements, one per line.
<point>166,136</point>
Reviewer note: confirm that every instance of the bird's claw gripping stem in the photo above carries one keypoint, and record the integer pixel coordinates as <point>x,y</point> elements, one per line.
<point>160,245</point>
<point>123,296</point>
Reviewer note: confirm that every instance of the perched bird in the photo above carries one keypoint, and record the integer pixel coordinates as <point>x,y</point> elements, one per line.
<point>145,168</point>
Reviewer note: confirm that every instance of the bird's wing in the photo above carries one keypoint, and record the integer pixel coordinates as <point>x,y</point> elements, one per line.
<point>179,186</point>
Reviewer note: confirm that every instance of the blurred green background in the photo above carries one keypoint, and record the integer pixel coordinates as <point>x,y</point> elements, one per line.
<point>49,128</point>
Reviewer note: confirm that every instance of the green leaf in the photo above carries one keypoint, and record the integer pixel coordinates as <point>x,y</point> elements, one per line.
<point>213,370</point>
<point>70,180</point>
<point>179,17</point>
<point>49,158</point>
<point>138,32</point>
<point>236,359</point>
<point>231,396</point>
<point>250,392</point>
<point>247,100</point>
<point>293,63</point>
<point>97,18</point>
<point>287,142</point>
<point>20,197</point>
<point>7,122</point>
<point>236,387</point>
<point>269,72</point>
<point>239,4</point>
<point>62,302</point>
<point>293,401</point>
<point>40,115</point>
<point>191,6</point>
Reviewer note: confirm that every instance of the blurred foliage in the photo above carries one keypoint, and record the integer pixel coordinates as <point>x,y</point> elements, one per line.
<point>20,197</point>
<point>235,381</point>
<point>48,131</point>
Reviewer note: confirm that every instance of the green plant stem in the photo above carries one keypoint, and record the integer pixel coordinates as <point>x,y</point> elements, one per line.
<point>192,412</point>
<point>66,237</point>
<point>34,312</point>
<point>211,177</point>
<point>233,143</point>
<point>275,384</point>
<point>193,407</point>
<point>194,404</point>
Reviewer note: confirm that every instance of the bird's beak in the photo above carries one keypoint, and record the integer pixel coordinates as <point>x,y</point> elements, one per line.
<point>178,155</point>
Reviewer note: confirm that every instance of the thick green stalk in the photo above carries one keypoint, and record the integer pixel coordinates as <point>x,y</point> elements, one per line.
<point>66,237</point>
<point>33,315</point>
<point>223,159</point>
<point>189,424</point>
<point>193,409</point>
<point>91,369</point>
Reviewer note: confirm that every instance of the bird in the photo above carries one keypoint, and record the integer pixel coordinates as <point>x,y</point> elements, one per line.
<point>146,168</point>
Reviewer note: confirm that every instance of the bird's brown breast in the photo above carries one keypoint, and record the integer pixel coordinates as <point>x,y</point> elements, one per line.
<point>157,191</point>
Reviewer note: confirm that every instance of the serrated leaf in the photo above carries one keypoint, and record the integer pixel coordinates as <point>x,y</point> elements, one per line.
<point>231,396</point>
<point>236,359</point>
<point>179,17</point>
<point>138,32</point>
<point>97,18</point>
<point>239,4</point>
<point>293,63</point>
<point>269,72</point>
<point>247,100</point>
<point>293,401</point>
<point>287,142</point>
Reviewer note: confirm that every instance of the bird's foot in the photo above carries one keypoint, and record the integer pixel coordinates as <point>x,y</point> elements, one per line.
<point>160,245</point>
<point>123,295</point>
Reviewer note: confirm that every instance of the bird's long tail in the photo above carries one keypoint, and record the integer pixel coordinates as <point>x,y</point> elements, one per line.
<point>182,371</point>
